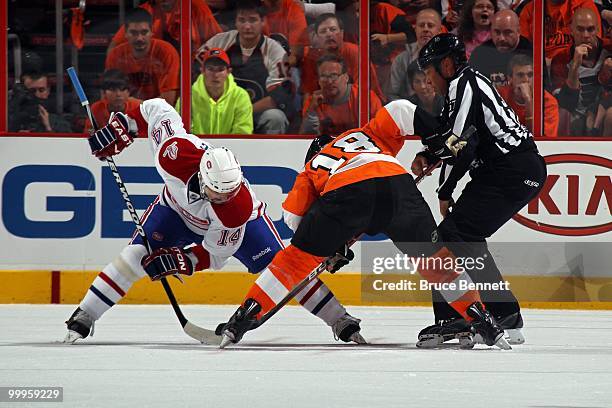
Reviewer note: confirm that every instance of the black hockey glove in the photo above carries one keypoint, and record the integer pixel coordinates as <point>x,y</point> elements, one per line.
<point>445,145</point>
<point>343,256</point>
<point>114,137</point>
<point>167,261</point>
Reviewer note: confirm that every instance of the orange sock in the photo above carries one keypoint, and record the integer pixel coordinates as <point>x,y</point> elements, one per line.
<point>288,268</point>
<point>439,269</point>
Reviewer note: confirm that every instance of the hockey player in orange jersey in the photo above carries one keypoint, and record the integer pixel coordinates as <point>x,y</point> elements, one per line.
<point>356,185</point>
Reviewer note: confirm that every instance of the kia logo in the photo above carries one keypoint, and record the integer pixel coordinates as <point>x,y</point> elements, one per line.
<point>576,199</point>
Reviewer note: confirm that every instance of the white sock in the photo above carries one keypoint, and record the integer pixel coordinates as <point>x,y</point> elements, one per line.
<point>321,302</point>
<point>109,287</point>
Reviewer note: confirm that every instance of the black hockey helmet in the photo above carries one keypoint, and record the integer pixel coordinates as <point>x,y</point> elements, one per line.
<point>442,46</point>
<point>317,144</point>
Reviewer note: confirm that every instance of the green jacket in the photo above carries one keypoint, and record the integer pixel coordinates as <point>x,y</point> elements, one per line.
<point>231,114</point>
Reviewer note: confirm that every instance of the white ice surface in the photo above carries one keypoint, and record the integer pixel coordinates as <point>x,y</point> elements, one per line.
<point>140,357</point>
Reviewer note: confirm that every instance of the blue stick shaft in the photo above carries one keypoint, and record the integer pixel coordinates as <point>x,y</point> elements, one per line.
<point>77,86</point>
<point>76,83</point>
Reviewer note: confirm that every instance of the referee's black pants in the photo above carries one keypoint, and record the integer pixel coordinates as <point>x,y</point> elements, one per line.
<point>496,192</point>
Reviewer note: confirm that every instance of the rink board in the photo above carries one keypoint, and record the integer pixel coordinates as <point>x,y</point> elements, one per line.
<point>61,211</point>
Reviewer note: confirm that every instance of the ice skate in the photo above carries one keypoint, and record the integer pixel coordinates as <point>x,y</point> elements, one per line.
<point>484,324</point>
<point>513,324</point>
<point>446,330</point>
<point>241,321</point>
<point>80,325</point>
<point>457,328</point>
<point>347,329</point>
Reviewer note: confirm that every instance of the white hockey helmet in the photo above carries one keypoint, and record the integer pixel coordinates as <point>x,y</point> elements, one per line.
<point>219,171</point>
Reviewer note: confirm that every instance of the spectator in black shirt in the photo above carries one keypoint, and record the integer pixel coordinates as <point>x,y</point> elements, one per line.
<point>29,108</point>
<point>492,57</point>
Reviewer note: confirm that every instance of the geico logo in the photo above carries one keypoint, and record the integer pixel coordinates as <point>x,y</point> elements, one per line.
<point>66,201</point>
<point>576,198</point>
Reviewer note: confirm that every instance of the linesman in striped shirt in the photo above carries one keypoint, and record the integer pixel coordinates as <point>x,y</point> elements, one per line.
<point>506,173</point>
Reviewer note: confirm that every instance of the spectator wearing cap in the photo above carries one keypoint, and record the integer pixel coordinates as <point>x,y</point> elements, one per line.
<point>166,23</point>
<point>259,65</point>
<point>334,108</point>
<point>114,97</point>
<point>492,57</point>
<point>219,106</point>
<point>152,65</point>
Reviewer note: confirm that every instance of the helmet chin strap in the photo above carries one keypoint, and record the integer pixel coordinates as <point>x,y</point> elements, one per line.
<point>202,186</point>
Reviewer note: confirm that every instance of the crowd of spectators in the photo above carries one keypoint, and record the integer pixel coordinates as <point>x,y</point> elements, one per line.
<point>292,66</point>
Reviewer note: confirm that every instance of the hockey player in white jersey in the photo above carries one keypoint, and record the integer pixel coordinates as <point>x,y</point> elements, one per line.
<point>206,213</point>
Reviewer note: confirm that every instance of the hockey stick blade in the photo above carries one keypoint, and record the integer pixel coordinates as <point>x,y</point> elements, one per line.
<point>204,336</point>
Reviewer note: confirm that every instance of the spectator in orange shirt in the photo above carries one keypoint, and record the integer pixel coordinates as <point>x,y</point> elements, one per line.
<point>151,65</point>
<point>519,95</point>
<point>557,19</point>
<point>389,30</point>
<point>335,107</point>
<point>114,97</point>
<point>166,24</point>
<point>388,25</point>
<point>287,18</point>
<point>329,32</point>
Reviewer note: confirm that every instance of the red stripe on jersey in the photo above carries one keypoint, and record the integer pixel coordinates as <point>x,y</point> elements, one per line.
<point>273,229</point>
<point>180,158</point>
<point>143,126</point>
<point>203,258</point>
<point>237,211</point>
<point>311,292</point>
<point>111,283</point>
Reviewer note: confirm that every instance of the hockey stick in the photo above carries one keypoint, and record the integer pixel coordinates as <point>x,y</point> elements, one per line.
<point>202,335</point>
<point>328,262</point>
<point>427,172</point>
